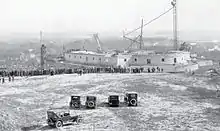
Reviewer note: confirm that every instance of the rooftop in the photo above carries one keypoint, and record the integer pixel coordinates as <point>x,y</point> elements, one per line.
<point>132,92</point>
<point>177,51</point>
<point>143,52</point>
<point>86,52</point>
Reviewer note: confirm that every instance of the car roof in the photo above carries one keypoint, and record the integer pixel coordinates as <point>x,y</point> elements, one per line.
<point>74,96</point>
<point>90,96</point>
<point>131,93</point>
<point>113,95</point>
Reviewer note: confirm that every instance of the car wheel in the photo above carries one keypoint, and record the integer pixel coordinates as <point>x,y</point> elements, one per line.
<point>78,120</point>
<point>59,124</point>
<point>133,102</point>
<point>91,104</point>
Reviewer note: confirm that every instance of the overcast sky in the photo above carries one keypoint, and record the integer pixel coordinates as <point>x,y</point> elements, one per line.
<point>104,15</point>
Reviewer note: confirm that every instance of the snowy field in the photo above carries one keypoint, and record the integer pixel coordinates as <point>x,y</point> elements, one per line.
<point>167,102</point>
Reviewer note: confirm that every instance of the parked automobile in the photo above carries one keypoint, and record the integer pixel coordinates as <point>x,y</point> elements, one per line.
<point>131,99</point>
<point>91,102</point>
<point>75,102</point>
<point>113,100</point>
<point>59,118</point>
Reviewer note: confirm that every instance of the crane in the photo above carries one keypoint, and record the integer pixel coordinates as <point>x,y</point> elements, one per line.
<point>96,37</point>
<point>140,41</point>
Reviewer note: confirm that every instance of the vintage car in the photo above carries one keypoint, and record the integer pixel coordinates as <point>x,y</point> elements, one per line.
<point>75,102</point>
<point>57,118</point>
<point>90,102</point>
<point>113,100</point>
<point>131,99</point>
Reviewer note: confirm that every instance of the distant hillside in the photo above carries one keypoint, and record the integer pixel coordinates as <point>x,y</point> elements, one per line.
<point>118,43</point>
<point>54,46</point>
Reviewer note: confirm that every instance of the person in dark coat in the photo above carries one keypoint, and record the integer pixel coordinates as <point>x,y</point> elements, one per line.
<point>51,72</point>
<point>3,80</point>
<point>13,78</point>
<point>9,78</point>
<point>148,70</point>
<point>153,70</point>
<point>158,69</point>
<point>80,72</point>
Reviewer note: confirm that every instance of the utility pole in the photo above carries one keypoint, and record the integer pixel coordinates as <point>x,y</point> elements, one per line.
<point>41,35</point>
<point>64,50</point>
<point>175,39</point>
<point>141,36</point>
<point>43,52</point>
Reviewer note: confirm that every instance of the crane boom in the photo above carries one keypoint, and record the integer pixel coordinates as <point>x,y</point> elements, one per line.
<point>98,42</point>
<point>140,41</point>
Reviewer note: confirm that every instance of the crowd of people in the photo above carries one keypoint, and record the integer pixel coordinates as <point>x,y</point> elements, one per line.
<point>77,70</point>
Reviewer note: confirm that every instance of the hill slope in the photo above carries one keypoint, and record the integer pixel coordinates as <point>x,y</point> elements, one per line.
<point>166,102</point>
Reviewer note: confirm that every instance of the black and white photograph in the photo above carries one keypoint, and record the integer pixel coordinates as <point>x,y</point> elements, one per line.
<point>109,65</point>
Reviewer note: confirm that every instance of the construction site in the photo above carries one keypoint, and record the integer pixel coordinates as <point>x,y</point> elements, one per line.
<point>177,90</point>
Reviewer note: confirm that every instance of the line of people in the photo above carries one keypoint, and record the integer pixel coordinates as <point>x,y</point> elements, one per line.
<point>77,70</point>
<point>10,79</point>
<point>68,71</point>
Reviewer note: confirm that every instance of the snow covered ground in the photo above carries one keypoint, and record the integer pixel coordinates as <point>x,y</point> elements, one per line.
<point>166,102</point>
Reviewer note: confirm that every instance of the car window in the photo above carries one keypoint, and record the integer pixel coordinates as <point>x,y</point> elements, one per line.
<point>90,98</point>
<point>74,97</point>
<point>132,95</point>
<point>66,114</point>
<point>114,97</point>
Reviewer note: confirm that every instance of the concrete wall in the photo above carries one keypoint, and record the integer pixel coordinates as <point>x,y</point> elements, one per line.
<point>160,59</point>
<point>187,68</point>
<point>205,62</point>
<point>123,60</point>
<point>91,59</point>
<point>181,58</point>
<point>126,60</point>
<point>163,61</point>
<point>174,68</point>
<point>85,58</point>
<point>166,68</point>
<point>141,60</point>
<point>111,61</point>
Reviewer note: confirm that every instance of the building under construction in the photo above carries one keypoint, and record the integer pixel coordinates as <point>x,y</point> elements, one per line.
<point>172,61</point>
